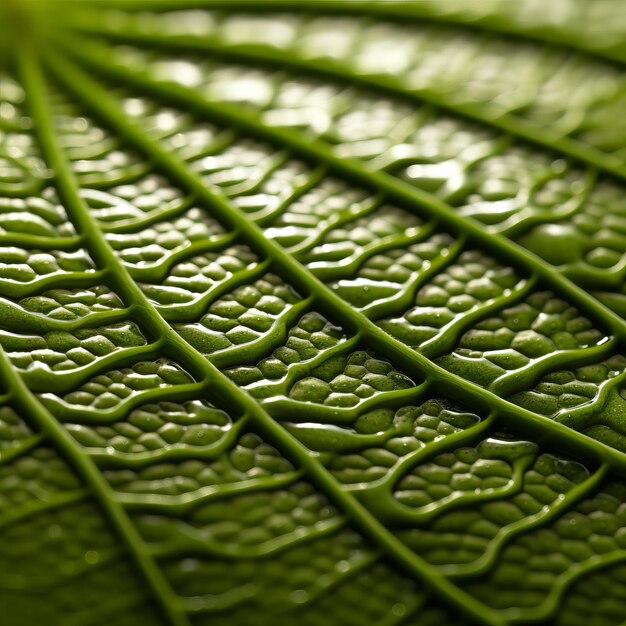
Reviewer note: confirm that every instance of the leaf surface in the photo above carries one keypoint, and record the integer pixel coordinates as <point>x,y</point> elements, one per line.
<point>313,312</point>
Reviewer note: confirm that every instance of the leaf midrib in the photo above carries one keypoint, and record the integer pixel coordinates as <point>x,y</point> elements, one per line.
<point>217,383</point>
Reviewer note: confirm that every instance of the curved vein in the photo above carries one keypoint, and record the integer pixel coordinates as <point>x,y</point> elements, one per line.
<point>191,311</point>
<point>183,503</point>
<point>170,453</point>
<point>157,272</point>
<point>19,513</point>
<point>263,345</point>
<point>448,336</point>
<point>80,414</point>
<point>403,513</point>
<point>349,265</point>
<point>289,409</point>
<point>41,380</point>
<point>382,488</point>
<point>522,378</point>
<point>551,603</point>
<point>55,280</point>
<point>15,318</point>
<point>547,513</point>
<point>192,540</point>
<point>21,448</point>
<point>405,297</point>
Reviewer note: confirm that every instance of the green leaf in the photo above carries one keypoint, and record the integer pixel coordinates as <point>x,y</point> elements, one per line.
<point>312,312</point>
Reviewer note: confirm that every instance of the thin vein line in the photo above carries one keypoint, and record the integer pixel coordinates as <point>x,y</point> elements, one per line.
<point>65,380</point>
<point>181,504</point>
<point>22,447</point>
<point>14,318</point>
<point>546,514</point>
<point>36,507</point>
<point>422,515</point>
<point>449,335</point>
<point>397,304</point>
<point>57,280</point>
<point>576,572</point>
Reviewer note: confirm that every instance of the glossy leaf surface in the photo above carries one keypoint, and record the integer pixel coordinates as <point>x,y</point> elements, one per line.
<point>313,313</point>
